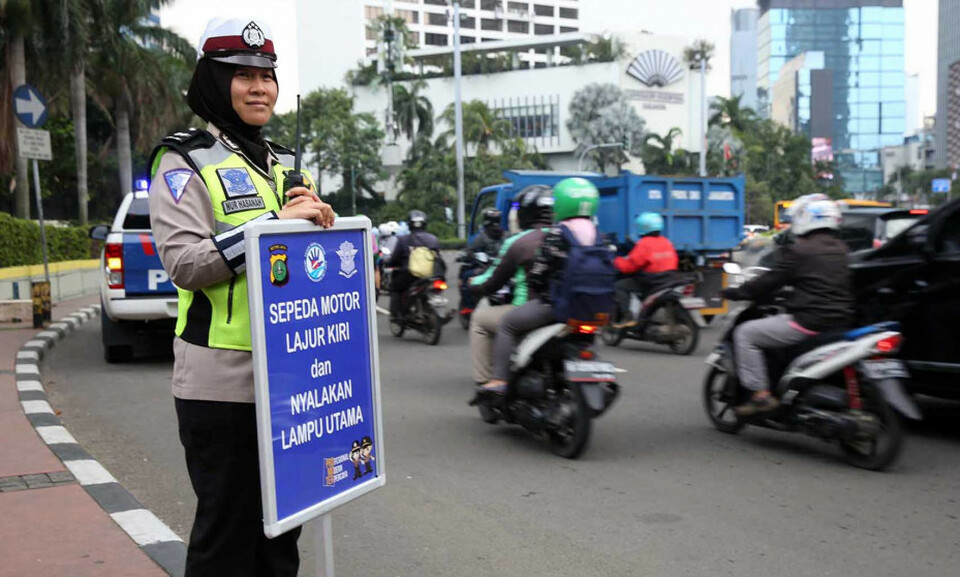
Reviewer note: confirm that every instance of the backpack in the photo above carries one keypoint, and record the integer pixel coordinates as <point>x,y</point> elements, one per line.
<point>585,291</point>
<point>421,261</point>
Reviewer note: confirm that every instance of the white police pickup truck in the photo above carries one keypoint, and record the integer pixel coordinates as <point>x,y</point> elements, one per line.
<point>138,300</point>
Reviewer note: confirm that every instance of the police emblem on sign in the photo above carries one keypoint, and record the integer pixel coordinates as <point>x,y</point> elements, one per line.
<point>347,253</point>
<point>315,262</point>
<point>279,273</point>
<point>253,36</point>
<point>236,182</point>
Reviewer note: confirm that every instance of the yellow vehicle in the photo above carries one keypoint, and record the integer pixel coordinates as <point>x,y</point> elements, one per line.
<point>781,219</point>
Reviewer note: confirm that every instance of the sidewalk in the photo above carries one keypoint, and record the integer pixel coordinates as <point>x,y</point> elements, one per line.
<point>51,525</point>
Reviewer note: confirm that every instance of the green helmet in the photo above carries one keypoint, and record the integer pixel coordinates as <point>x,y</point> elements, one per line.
<point>573,197</point>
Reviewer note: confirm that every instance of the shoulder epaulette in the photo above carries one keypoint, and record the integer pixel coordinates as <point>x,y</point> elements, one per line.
<point>190,139</point>
<point>280,148</point>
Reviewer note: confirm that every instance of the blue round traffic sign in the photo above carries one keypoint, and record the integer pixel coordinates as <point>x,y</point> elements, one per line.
<point>29,106</point>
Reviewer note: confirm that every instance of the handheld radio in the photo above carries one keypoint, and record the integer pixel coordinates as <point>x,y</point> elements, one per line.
<point>294,178</point>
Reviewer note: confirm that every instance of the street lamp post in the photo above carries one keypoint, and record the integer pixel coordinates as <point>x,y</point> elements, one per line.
<point>458,121</point>
<point>703,114</point>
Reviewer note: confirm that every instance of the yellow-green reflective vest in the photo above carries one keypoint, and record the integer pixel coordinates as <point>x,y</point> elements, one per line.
<point>218,316</point>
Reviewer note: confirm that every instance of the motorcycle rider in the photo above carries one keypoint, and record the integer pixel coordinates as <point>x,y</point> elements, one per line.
<point>388,235</point>
<point>491,235</point>
<point>822,299</point>
<point>575,203</point>
<point>652,261</point>
<point>534,216</point>
<point>401,279</point>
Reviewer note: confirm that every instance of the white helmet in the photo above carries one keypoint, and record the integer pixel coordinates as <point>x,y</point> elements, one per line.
<point>813,212</point>
<point>389,228</point>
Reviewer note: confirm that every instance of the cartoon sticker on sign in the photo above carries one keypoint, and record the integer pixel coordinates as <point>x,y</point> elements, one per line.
<point>318,350</point>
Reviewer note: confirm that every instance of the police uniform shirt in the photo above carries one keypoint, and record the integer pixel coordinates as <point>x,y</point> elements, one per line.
<point>182,229</point>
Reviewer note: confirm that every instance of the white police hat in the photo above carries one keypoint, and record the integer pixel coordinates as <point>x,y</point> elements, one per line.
<point>240,41</point>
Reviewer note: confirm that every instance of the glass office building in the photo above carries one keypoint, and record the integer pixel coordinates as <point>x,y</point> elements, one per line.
<point>863,46</point>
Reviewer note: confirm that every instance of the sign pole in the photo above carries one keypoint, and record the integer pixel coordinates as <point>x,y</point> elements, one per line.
<point>323,541</point>
<point>43,234</point>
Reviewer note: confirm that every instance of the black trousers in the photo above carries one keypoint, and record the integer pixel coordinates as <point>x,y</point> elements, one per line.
<point>399,283</point>
<point>220,442</point>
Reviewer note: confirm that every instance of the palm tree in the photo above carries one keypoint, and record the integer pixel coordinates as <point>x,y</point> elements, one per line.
<point>67,32</point>
<point>134,62</point>
<point>659,156</point>
<point>699,50</point>
<point>481,127</point>
<point>729,112</point>
<point>414,110</point>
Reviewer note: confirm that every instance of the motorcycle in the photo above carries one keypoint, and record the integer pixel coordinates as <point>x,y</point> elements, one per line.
<point>668,316</point>
<point>385,272</point>
<point>557,386</point>
<point>840,387</point>
<point>424,309</point>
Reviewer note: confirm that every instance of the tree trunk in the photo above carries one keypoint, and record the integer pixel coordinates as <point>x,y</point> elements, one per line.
<point>124,156</point>
<point>18,76</point>
<point>78,101</point>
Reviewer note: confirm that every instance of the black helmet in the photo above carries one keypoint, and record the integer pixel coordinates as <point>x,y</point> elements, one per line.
<point>491,216</point>
<point>534,204</point>
<point>417,220</point>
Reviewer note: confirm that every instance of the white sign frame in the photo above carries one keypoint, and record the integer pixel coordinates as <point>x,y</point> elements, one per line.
<point>34,143</point>
<point>272,526</point>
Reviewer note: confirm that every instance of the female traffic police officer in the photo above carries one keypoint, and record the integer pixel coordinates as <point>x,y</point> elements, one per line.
<point>207,185</point>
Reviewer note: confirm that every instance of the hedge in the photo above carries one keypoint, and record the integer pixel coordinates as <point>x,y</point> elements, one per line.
<point>452,243</point>
<point>20,243</point>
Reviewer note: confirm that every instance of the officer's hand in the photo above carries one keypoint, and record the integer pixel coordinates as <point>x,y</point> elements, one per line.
<point>302,191</point>
<point>305,208</point>
<point>322,212</point>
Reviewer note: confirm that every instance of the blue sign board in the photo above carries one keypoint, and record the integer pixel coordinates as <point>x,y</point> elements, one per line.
<point>941,186</point>
<point>316,370</point>
<point>29,106</point>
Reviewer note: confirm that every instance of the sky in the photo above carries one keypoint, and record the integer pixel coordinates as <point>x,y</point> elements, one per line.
<point>692,19</point>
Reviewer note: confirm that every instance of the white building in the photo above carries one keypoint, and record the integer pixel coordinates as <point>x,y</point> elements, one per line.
<point>338,32</point>
<point>536,101</point>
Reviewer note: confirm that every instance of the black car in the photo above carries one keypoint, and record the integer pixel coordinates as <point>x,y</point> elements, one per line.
<point>915,279</point>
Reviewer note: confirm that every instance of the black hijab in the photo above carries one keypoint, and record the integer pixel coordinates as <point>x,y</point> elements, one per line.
<point>209,97</point>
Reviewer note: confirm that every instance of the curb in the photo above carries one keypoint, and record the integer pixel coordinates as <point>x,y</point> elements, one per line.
<point>151,534</point>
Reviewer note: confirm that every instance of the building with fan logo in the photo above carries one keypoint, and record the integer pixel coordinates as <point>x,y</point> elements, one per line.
<point>535,101</point>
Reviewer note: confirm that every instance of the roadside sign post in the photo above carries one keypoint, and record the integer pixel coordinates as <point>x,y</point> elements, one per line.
<point>316,371</point>
<point>31,110</point>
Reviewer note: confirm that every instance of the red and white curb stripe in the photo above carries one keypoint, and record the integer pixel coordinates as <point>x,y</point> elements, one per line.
<point>152,535</point>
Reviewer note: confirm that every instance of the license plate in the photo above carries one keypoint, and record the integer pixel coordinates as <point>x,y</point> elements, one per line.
<point>590,371</point>
<point>885,369</point>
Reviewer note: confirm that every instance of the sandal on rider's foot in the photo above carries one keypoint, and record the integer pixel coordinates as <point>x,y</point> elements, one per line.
<point>757,405</point>
<point>492,389</point>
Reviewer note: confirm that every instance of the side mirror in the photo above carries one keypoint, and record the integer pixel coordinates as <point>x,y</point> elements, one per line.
<point>482,257</point>
<point>99,232</point>
<point>732,268</point>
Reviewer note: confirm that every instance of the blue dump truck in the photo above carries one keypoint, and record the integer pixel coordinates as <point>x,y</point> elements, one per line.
<point>703,217</point>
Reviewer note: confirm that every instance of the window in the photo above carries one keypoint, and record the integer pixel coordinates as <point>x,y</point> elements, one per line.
<point>138,216</point>
<point>543,29</point>
<point>467,40</point>
<point>565,29</point>
<point>435,39</point>
<point>435,2</point>
<point>435,19</point>
<point>371,32</point>
<point>538,118</point>
<point>409,16</point>
<point>521,7</point>
<point>470,23</point>
<point>541,10</point>
<point>491,5</point>
<point>468,4</point>
<point>518,27</point>
<point>572,13</point>
<point>490,24</point>
<point>372,12</point>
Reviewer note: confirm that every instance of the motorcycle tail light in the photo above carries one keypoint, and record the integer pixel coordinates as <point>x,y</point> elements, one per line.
<point>890,344</point>
<point>113,257</point>
<point>586,329</point>
<point>586,354</point>
<point>439,285</point>
<point>689,290</point>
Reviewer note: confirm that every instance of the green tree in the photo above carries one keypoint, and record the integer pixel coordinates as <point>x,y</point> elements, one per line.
<point>699,50</point>
<point>729,112</point>
<point>19,22</point>
<point>482,129</point>
<point>139,69</point>
<point>414,111</point>
<point>661,156</point>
